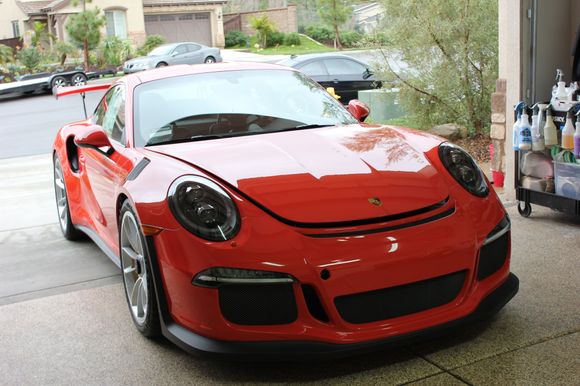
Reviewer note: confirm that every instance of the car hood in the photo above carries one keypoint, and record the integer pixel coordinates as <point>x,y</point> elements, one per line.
<point>326,175</point>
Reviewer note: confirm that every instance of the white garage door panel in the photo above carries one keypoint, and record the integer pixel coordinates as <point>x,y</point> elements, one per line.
<point>183,27</point>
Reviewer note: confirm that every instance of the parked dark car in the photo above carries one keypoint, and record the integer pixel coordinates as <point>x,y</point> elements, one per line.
<point>347,75</point>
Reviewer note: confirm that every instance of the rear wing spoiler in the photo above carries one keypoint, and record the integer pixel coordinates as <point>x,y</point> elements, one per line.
<point>71,90</point>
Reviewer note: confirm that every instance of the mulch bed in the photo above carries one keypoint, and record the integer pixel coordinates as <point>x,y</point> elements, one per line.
<point>477,146</point>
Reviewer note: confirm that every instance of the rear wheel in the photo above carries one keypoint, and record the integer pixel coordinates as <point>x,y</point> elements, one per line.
<point>137,277</point>
<point>209,59</point>
<point>78,80</point>
<point>161,64</point>
<point>66,226</point>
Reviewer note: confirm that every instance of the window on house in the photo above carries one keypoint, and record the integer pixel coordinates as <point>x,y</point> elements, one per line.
<point>116,23</point>
<point>15,28</point>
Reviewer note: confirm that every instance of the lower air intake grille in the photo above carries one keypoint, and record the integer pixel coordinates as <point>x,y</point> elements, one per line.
<point>492,256</point>
<point>387,303</point>
<point>258,304</point>
<point>313,303</point>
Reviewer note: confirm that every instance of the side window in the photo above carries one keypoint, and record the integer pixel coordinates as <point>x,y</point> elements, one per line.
<point>193,47</point>
<point>182,49</point>
<point>113,122</point>
<point>314,69</point>
<point>102,108</point>
<point>344,67</point>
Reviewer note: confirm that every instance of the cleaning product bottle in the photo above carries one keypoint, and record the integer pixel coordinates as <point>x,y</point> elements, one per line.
<point>568,132</point>
<point>577,138</point>
<point>516,129</point>
<point>537,138</point>
<point>525,133</point>
<point>559,91</point>
<point>550,133</point>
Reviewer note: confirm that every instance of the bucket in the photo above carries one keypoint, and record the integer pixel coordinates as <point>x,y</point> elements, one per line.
<point>497,178</point>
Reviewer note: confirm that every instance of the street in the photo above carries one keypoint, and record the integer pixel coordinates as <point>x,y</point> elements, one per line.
<point>65,320</point>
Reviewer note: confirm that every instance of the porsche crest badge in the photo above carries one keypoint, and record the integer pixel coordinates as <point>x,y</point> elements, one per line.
<point>375,201</point>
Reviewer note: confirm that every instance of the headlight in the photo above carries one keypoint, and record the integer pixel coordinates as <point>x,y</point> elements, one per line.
<point>204,208</point>
<point>464,169</point>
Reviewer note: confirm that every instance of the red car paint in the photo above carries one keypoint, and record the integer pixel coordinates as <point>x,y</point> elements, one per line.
<point>281,182</point>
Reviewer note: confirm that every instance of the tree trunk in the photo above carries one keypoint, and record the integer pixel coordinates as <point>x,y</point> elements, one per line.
<point>337,37</point>
<point>86,53</point>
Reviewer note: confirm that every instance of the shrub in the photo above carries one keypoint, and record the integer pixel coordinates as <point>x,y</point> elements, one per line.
<point>236,39</point>
<point>29,57</point>
<point>275,39</point>
<point>292,39</point>
<point>350,38</point>
<point>320,33</point>
<point>64,50</point>
<point>264,28</point>
<point>6,54</point>
<point>151,42</point>
<point>115,51</point>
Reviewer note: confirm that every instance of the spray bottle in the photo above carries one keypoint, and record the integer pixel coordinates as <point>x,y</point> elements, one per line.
<point>537,138</point>
<point>516,129</point>
<point>550,133</point>
<point>568,132</point>
<point>559,90</point>
<point>525,133</point>
<point>577,137</point>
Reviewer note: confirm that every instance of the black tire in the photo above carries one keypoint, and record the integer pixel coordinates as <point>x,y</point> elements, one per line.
<point>78,80</point>
<point>58,81</point>
<point>150,326</point>
<point>161,64</point>
<point>68,229</point>
<point>209,59</point>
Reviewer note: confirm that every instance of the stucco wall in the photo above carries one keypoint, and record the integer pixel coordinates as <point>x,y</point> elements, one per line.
<point>10,11</point>
<point>216,18</point>
<point>134,17</point>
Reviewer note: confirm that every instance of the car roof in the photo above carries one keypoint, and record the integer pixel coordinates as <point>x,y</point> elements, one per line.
<point>298,59</point>
<point>185,69</point>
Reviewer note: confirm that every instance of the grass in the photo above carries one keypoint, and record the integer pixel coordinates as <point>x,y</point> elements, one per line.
<point>405,121</point>
<point>306,46</point>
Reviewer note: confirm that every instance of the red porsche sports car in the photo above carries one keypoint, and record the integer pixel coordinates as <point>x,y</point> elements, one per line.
<point>252,214</point>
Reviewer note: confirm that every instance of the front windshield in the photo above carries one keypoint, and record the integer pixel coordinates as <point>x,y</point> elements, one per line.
<point>161,50</point>
<point>231,103</point>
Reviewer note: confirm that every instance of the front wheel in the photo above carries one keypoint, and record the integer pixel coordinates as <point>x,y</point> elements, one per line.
<point>209,59</point>
<point>137,277</point>
<point>66,226</point>
<point>161,64</point>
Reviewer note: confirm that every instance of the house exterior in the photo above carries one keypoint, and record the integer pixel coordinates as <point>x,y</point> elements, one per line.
<point>183,20</point>
<point>366,16</point>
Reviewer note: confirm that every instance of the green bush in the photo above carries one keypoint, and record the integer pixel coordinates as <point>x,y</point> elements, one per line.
<point>29,57</point>
<point>350,38</point>
<point>320,33</point>
<point>292,39</point>
<point>236,39</point>
<point>275,39</point>
<point>264,28</point>
<point>151,42</point>
<point>6,54</point>
<point>115,51</point>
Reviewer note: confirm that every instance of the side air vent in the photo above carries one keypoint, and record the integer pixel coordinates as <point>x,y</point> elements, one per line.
<point>313,303</point>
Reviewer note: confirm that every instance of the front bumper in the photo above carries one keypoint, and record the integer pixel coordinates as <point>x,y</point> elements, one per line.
<point>307,350</point>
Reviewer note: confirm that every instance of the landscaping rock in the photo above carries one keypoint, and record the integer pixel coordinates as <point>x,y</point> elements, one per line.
<point>450,131</point>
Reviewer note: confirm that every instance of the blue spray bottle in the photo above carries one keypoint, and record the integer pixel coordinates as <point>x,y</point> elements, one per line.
<point>525,133</point>
<point>516,129</point>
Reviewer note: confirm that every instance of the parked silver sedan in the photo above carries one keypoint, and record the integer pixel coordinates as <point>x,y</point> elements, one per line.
<point>174,53</point>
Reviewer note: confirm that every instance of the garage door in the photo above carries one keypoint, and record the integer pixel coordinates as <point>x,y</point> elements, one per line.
<point>183,27</point>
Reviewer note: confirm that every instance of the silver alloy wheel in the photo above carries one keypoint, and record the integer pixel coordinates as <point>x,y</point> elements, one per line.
<point>59,82</point>
<point>60,192</point>
<point>210,60</point>
<point>134,268</point>
<point>79,80</point>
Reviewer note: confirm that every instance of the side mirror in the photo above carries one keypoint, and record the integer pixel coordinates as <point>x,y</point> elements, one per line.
<point>358,110</point>
<point>93,137</point>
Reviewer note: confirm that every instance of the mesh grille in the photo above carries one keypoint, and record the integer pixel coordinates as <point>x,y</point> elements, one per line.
<point>258,304</point>
<point>492,256</point>
<point>402,300</point>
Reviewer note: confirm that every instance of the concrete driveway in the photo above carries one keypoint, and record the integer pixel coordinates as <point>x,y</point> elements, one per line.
<point>64,319</point>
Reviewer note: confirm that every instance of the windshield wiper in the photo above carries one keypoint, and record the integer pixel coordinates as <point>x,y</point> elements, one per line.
<point>300,127</point>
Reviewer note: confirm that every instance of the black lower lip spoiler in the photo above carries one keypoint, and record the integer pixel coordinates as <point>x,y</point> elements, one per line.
<point>301,351</point>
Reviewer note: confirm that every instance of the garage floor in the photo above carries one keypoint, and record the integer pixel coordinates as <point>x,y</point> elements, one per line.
<point>75,328</point>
